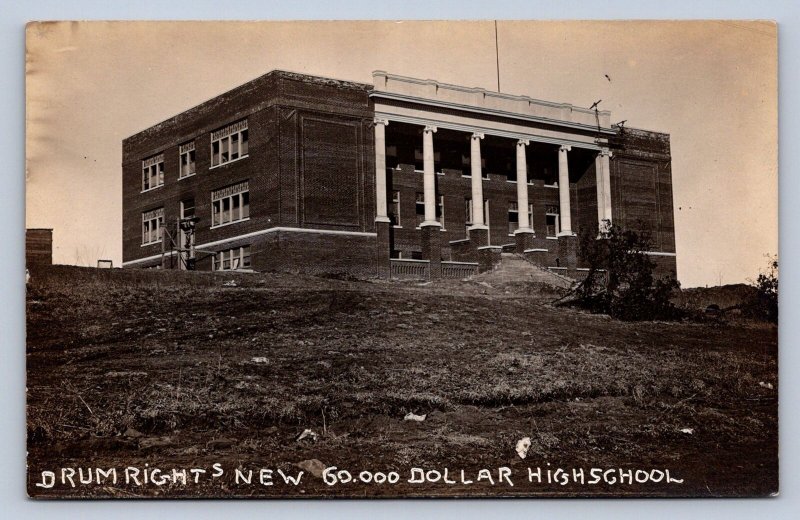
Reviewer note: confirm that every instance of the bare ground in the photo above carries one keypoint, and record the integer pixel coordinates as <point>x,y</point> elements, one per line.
<point>177,370</point>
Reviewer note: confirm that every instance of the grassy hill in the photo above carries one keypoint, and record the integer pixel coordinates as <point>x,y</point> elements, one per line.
<point>171,369</point>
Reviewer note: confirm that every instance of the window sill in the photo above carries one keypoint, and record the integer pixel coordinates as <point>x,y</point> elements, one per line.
<point>551,238</point>
<point>229,223</point>
<point>151,243</point>
<point>229,162</point>
<point>187,176</point>
<point>153,188</point>
<point>512,182</point>
<point>550,186</point>
<point>398,227</point>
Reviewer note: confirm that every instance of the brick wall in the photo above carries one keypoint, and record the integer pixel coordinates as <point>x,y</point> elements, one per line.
<point>38,247</point>
<point>641,183</point>
<point>310,142</point>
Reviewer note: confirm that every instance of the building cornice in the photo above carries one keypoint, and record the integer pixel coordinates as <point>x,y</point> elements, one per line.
<point>486,130</point>
<point>493,112</point>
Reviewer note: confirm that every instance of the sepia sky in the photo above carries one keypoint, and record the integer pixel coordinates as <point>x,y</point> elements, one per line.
<point>711,85</point>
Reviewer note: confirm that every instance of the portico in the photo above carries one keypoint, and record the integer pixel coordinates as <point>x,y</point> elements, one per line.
<point>514,162</point>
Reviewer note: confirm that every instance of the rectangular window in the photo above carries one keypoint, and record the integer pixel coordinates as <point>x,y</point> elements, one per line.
<point>394,212</point>
<point>420,207</point>
<point>513,217</point>
<point>232,259</point>
<point>187,208</point>
<point>229,143</point>
<point>152,222</point>
<point>230,204</point>
<point>186,164</point>
<point>440,210</point>
<point>552,221</point>
<point>153,172</point>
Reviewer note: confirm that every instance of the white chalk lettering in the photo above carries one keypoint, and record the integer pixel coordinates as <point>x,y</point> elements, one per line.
<point>485,474</point>
<point>265,477</point>
<point>417,476</point>
<point>111,473</point>
<point>504,473</point>
<point>132,473</point>
<point>653,475</point>
<point>241,477</point>
<point>290,479</point>
<point>67,474</point>
<point>48,480</point>
<point>179,475</point>
<point>673,480</point>
<point>197,472</point>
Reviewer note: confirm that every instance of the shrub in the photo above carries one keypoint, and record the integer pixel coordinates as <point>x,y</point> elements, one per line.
<point>767,286</point>
<point>620,281</point>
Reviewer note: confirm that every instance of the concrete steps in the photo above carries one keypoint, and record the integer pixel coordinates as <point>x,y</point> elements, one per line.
<point>513,268</point>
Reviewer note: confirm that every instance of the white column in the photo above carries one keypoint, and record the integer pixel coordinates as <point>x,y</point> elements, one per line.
<point>430,177</point>
<point>477,181</point>
<point>603,179</point>
<point>381,209</point>
<point>601,200</point>
<point>605,155</point>
<point>563,191</point>
<point>522,187</point>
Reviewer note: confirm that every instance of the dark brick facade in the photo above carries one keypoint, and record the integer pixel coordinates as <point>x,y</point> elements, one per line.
<point>310,166</point>
<point>641,184</point>
<point>38,247</point>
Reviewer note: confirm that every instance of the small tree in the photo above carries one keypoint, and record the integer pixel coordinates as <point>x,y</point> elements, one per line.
<point>767,285</point>
<point>620,281</point>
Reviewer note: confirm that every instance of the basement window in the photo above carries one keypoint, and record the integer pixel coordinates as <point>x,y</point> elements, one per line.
<point>152,222</point>
<point>229,205</point>
<point>229,144</point>
<point>153,172</point>
<point>232,259</point>
<point>187,160</point>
